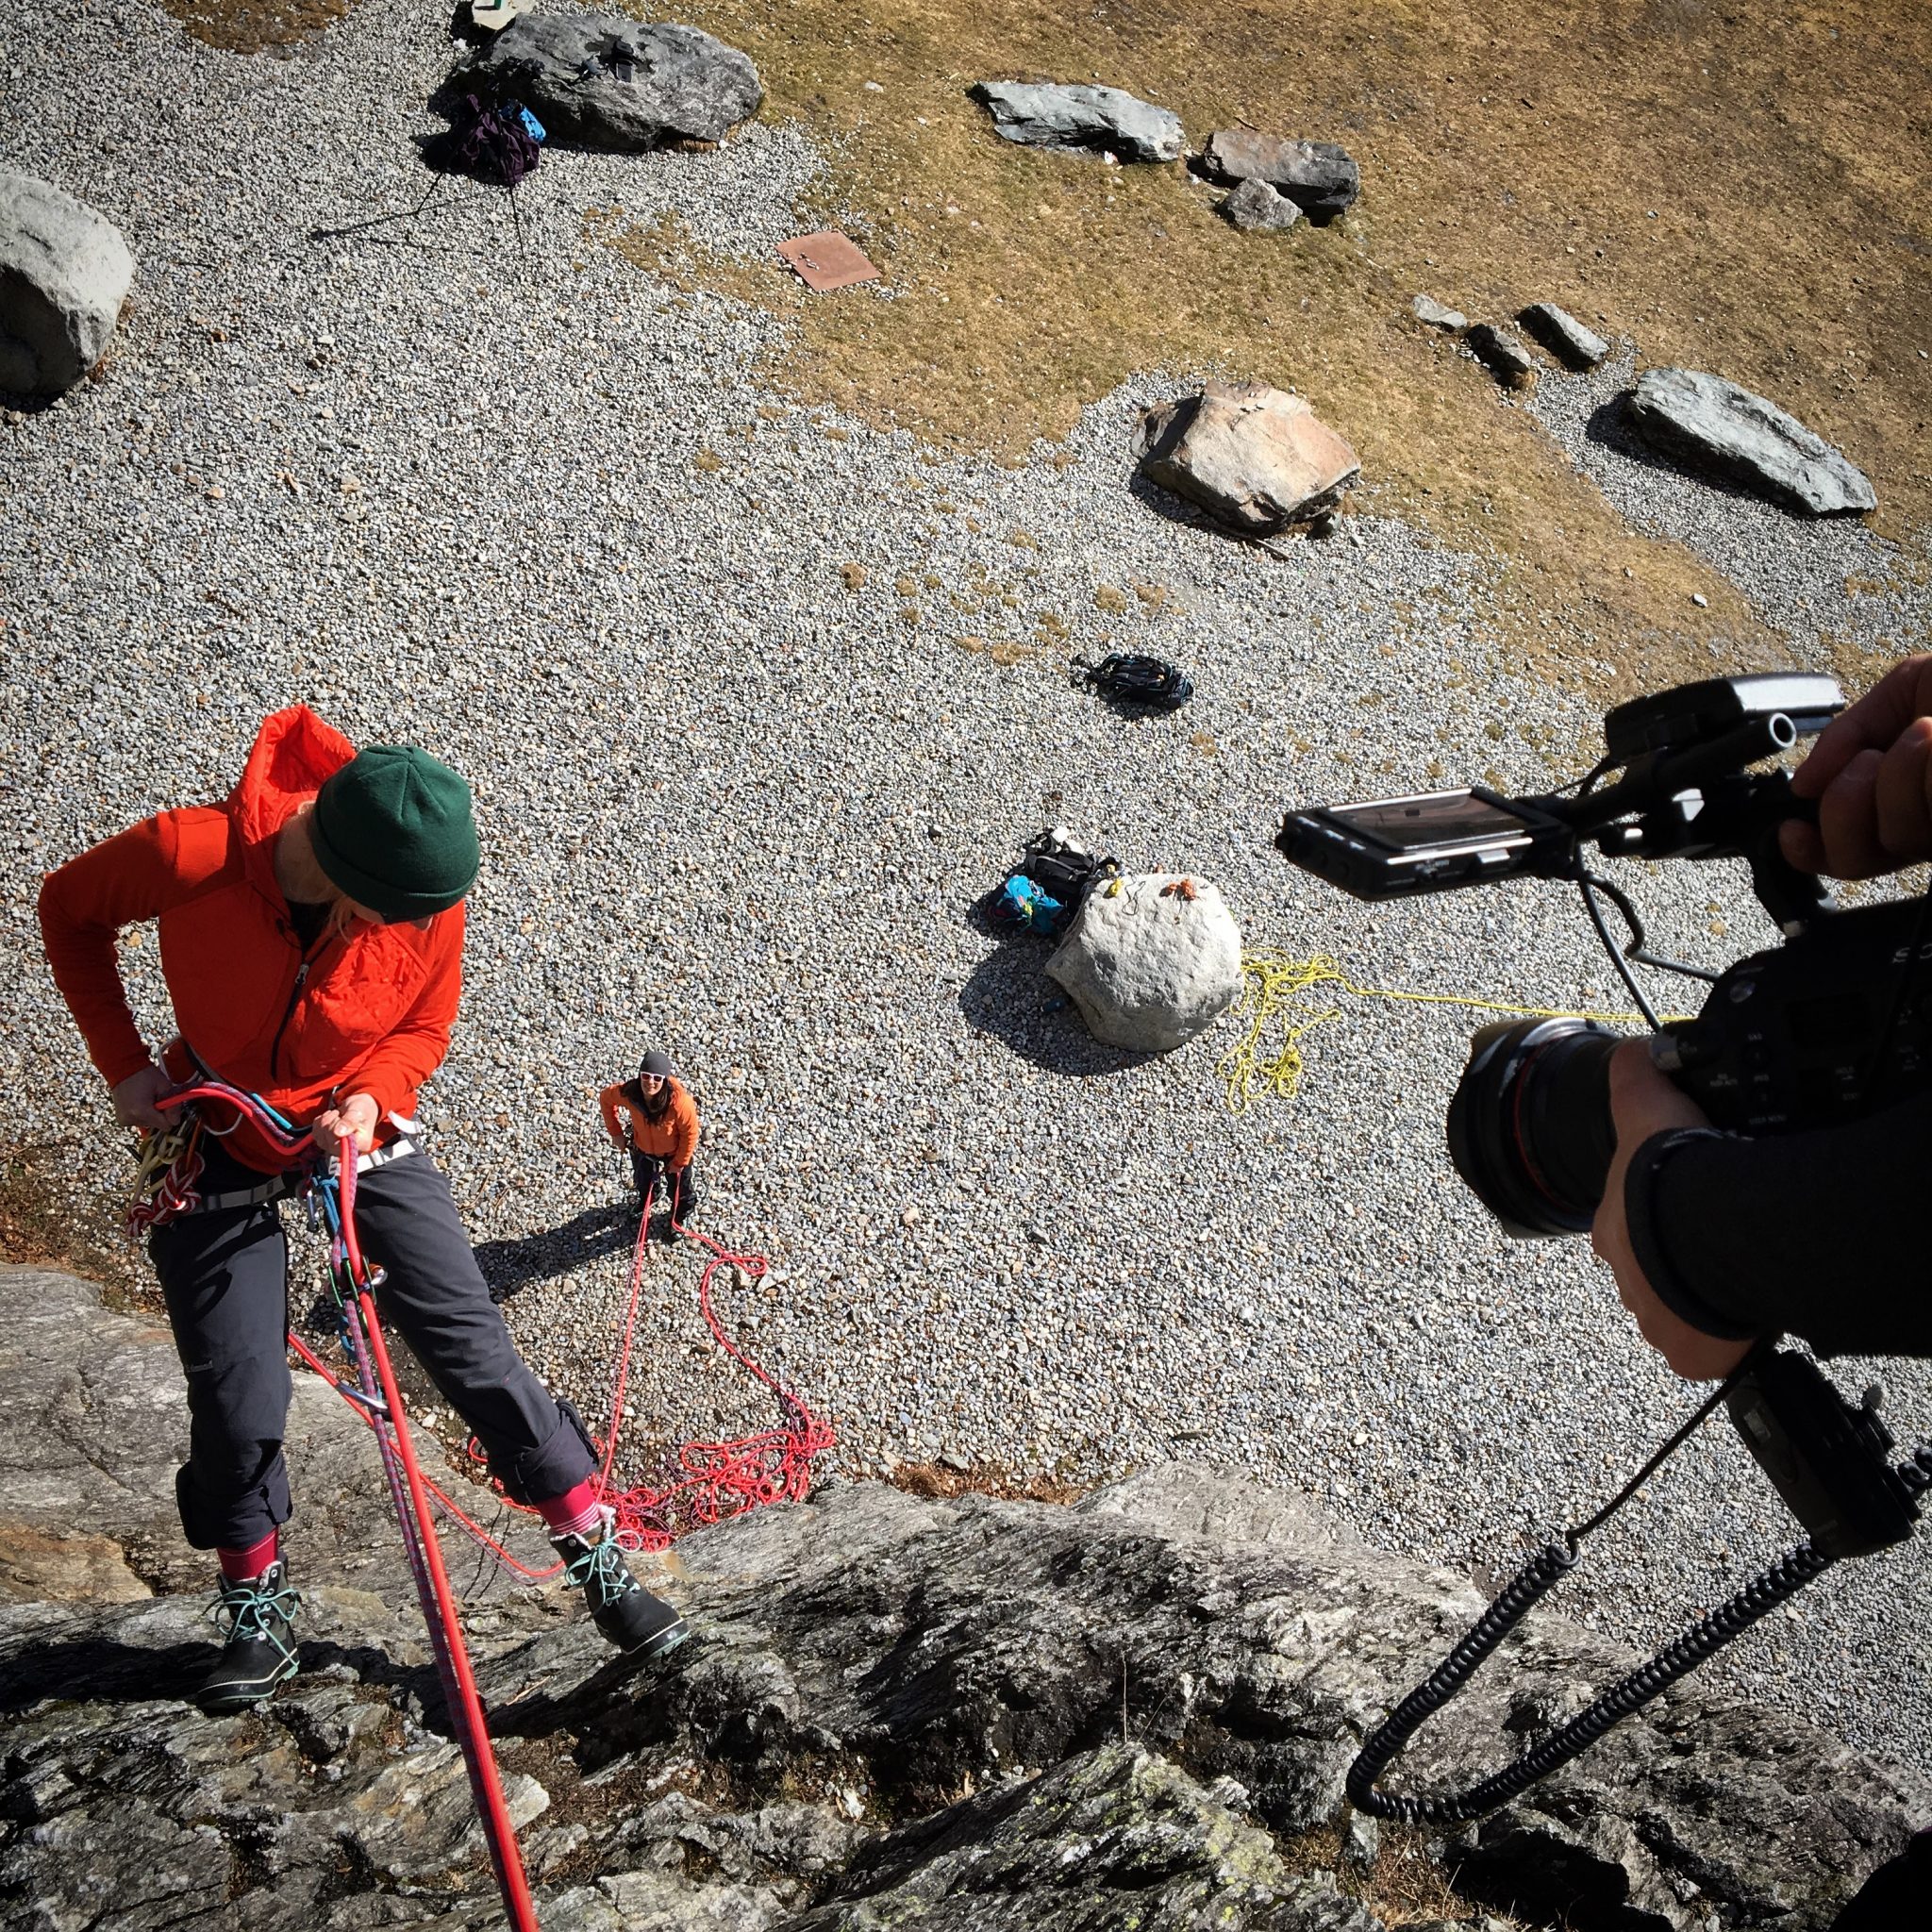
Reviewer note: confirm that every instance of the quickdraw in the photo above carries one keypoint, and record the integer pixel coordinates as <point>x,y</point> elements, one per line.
<point>166,1184</point>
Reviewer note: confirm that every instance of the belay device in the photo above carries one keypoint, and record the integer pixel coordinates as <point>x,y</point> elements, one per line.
<point>1828,1027</point>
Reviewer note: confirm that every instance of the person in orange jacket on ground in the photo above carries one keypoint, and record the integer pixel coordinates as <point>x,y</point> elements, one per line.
<point>655,1116</point>
<point>311,936</point>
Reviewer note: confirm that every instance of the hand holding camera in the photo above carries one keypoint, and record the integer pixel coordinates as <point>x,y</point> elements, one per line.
<point>1870,772</point>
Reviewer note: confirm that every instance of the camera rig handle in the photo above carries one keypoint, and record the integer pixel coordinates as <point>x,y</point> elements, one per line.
<point>1830,1462</point>
<point>1698,801</point>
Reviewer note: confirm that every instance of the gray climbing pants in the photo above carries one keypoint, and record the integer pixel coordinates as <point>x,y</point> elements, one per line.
<point>225,1277</point>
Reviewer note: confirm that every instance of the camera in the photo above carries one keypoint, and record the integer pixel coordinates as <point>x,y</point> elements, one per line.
<point>1833,1023</point>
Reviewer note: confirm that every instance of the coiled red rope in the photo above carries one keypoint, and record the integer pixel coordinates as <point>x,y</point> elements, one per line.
<point>714,1480</point>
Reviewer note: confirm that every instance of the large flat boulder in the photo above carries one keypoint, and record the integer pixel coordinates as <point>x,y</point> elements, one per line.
<point>1258,458</point>
<point>1152,961</point>
<point>1701,418</point>
<point>1069,116</point>
<point>64,273</point>
<point>604,80</point>
<point>1318,177</point>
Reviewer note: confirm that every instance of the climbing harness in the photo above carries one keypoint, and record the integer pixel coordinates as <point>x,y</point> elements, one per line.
<point>1130,677</point>
<point>1271,980</point>
<point>1829,1461</point>
<point>380,1403</point>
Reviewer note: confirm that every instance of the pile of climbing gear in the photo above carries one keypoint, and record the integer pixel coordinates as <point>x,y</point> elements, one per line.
<point>1129,677</point>
<point>1044,892</point>
<point>493,141</point>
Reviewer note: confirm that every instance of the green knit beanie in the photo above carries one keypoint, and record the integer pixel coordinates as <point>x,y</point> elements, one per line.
<point>392,830</point>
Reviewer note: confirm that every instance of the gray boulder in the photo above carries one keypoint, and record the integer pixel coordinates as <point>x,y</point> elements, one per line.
<point>1152,961</point>
<point>1432,314</point>
<point>1316,175</point>
<point>1690,414</point>
<point>1563,336</point>
<point>1106,118</point>
<point>64,273</point>
<point>1257,458</point>
<point>1503,353</point>
<point>1257,208</point>
<point>604,80</point>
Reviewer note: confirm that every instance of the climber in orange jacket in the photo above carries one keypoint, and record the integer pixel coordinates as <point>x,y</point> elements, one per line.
<point>311,938</point>
<point>656,1117</point>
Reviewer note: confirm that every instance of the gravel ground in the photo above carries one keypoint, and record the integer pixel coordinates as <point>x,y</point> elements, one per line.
<point>534,512</point>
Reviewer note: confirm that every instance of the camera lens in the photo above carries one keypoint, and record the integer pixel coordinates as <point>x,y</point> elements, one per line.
<point>1530,1127</point>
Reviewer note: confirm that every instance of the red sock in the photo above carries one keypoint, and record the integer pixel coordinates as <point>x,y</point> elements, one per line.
<point>243,1566</point>
<point>574,1513</point>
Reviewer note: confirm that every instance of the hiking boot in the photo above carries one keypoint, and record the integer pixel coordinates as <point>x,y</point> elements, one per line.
<point>667,1231</point>
<point>259,1652</point>
<point>642,1626</point>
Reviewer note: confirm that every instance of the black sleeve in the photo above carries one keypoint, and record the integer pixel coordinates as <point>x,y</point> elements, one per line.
<point>1821,1235</point>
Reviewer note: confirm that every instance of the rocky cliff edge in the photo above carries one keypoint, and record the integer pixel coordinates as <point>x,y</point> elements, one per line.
<point>1135,1711</point>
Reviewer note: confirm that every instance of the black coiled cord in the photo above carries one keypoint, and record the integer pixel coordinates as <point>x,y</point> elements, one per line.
<point>1764,1592</point>
<point>1785,1578</point>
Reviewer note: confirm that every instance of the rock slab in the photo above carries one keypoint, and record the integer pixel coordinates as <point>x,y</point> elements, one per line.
<point>1069,116</point>
<point>1691,415</point>
<point>607,81</point>
<point>1434,315</point>
<point>1316,175</point>
<point>898,1711</point>
<point>1152,961</point>
<point>64,273</point>
<point>1502,353</point>
<point>1256,207</point>
<point>1256,458</point>
<point>1563,336</point>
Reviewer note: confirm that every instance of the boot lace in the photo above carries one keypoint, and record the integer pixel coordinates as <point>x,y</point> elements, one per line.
<point>600,1571</point>
<point>258,1613</point>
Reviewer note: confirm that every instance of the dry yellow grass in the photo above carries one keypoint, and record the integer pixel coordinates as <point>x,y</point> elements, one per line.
<point>253,26</point>
<point>1737,186</point>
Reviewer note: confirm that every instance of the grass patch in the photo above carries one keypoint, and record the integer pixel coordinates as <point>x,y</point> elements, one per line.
<point>254,26</point>
<point>1735,187</point>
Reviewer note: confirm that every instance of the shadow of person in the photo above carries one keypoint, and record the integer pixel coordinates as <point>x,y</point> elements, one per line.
<point>511,1266</point>
<point>1008,997</point>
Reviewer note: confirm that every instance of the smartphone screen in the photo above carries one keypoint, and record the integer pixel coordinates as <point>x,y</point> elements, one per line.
<point>1432,817</point>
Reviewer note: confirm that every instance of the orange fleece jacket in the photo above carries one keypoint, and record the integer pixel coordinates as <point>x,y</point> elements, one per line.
<point>672,1137</point>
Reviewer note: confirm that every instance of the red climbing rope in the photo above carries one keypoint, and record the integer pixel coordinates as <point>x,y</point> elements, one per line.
<point>715,1480</point>
<point>499,1831</point>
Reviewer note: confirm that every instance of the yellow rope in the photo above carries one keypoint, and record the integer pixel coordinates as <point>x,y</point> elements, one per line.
<point>1271,980</point>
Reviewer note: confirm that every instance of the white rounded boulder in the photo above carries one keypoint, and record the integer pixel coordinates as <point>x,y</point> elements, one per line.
<point>1153,960</point>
